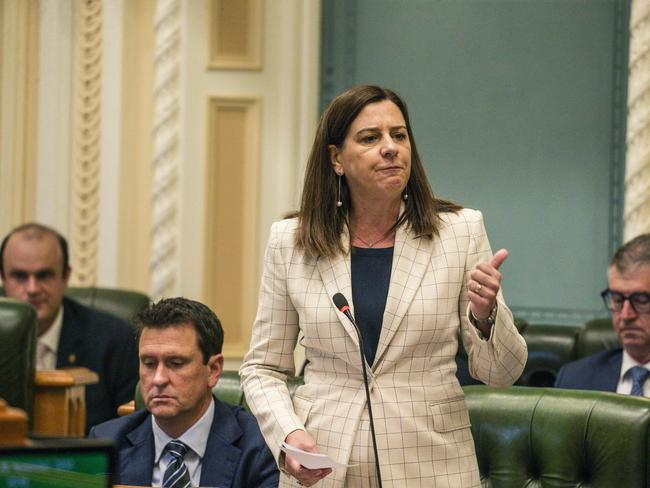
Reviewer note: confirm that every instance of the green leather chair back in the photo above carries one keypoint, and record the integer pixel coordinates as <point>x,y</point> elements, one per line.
<point>549,347</point>
<point>115,301</point>
<point>595,336</point>
<point>17,353</point>
<point>545,437</point>
<point>121,303</point>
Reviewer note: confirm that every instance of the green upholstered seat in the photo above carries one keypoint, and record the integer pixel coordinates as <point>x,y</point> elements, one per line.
<point>17,353</point>
<point>546,437</point>
<point>121,303</point>
<point>520,323</point>
<point>549,347</point>
<point>595,336</point>
<point>228,388</point>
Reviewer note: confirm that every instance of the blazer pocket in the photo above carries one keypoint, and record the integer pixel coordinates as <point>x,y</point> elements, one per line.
<point>302,406</point>
<point>449,415</point>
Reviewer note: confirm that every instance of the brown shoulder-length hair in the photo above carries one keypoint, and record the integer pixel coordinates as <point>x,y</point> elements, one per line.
<point>320,221</point>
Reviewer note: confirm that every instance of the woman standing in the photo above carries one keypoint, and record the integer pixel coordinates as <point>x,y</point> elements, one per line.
<point>415,269</point>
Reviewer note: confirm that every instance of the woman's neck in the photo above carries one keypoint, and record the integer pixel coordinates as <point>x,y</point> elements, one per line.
<point>372,224</point>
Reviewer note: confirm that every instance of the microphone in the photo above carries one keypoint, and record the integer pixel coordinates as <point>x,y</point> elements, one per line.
<point>342,305</point>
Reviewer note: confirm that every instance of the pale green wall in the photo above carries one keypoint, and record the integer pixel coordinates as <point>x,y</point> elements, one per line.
<point>518,108</point>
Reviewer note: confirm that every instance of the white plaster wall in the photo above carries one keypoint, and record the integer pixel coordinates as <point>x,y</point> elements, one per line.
<point>110,144</point>
<point>288,88</point>
<point>54,184</point>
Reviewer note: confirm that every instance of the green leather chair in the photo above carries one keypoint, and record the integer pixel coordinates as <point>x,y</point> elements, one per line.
<point>549,347</point>
<point>121,303</point>
<point>595,336</point>
<point>115,301</point>
<point>546,437</point>
<point>17,353</point>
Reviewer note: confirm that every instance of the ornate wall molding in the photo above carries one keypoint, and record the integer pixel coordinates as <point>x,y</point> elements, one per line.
<point>637,174</point>
<point>164,219</point>
<point>87,143</point>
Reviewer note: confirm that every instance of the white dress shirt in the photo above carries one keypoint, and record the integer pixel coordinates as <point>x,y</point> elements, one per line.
<point>196,438</point>
<point>625,381</point>
<point>47,345</point>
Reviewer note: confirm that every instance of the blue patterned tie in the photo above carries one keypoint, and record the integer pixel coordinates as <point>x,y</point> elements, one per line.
<point>176,474</point>
<point>639,374</point>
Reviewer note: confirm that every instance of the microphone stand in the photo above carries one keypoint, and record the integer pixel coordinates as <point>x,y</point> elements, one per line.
<point>344,308</point>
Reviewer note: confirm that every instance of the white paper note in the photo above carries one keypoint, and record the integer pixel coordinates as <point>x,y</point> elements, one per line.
<point>312,460</point>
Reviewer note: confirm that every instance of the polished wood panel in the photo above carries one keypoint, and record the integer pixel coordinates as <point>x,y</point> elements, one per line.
<point>232,175</point>
<point>60,401</point>
<point>126,408</point>
<point>235,34</point>
<point>13,425</point>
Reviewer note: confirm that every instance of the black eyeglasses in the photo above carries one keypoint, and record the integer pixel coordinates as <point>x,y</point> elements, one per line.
<point>614,300</point>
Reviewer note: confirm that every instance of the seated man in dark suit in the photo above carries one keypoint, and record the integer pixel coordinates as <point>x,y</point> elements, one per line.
<point>186,433</point>
<point>622,370</point>
<point>34,267</point>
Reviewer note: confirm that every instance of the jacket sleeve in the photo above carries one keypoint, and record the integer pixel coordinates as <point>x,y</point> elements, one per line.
<point>270,359</point>
<point>499,359</point>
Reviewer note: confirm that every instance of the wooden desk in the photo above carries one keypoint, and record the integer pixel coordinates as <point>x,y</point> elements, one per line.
<point>13,425</point>
<point>126,408</point>
<point>60,401</point>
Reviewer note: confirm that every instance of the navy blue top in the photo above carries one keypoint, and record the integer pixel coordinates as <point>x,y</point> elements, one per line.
<point>370,279</point>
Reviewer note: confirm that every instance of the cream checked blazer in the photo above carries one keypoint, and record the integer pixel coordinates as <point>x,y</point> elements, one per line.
<point>421,419</point>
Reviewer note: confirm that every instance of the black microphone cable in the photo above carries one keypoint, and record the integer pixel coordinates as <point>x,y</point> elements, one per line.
<point>342,304</point>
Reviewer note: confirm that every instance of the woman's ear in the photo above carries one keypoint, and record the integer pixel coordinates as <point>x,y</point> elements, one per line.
<point>334,159</point>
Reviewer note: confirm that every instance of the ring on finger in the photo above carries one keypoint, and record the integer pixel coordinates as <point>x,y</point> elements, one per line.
<point>477,288</point>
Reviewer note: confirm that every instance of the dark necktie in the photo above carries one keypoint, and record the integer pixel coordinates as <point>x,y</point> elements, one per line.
<point>639,374</point>
<point>176,474</point>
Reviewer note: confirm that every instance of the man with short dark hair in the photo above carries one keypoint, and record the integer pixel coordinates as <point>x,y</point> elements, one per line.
<point>186,437</point>
<point>34,267</point>
<point>622,370</point>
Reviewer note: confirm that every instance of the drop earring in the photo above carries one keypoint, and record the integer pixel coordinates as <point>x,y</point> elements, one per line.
<point>405,197</point>
<point>339,203</point>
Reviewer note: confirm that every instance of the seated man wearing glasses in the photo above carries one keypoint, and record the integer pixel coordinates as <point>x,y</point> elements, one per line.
<point>622,370</point>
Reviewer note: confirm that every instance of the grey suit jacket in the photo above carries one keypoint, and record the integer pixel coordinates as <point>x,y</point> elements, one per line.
<point>421,419</point>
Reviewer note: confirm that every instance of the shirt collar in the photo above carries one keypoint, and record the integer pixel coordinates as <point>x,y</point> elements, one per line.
<point>53,334</point>
<point>196,437</point>
<point>629,363</point>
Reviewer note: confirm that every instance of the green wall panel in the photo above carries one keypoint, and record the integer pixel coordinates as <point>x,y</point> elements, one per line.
<point>518,109</point>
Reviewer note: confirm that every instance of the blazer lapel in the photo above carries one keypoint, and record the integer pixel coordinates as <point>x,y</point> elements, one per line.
<point>136,462</point>
<point>224,432</point>
<point>336,276</point>
<point>611,375</point>
<point>70,339</point>
<point>411,258</point>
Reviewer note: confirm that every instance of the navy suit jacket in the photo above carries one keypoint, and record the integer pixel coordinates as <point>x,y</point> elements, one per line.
<point>106,345</point>
<point>600,371</point>
<point>236,455</point>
